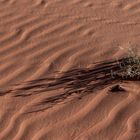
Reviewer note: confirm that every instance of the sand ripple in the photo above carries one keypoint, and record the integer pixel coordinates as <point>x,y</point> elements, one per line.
<point>43,38</point>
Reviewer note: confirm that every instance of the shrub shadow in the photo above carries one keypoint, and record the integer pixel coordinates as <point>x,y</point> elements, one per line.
<point>82,82</point>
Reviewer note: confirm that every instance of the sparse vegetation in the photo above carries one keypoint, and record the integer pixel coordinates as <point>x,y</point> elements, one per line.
<point>129,66</point>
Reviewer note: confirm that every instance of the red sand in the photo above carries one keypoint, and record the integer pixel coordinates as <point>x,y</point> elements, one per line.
<point>38,37</point>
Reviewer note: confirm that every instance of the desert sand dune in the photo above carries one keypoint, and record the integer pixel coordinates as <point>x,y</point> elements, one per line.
<point>52,86</point>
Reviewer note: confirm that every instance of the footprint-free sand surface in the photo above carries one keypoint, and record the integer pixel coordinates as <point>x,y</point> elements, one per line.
<point>41,40</point>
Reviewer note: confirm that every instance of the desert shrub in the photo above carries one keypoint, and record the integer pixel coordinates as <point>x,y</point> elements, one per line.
<point>129,66</point>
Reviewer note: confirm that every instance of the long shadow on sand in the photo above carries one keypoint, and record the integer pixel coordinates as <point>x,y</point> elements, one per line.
<point>77,81</point>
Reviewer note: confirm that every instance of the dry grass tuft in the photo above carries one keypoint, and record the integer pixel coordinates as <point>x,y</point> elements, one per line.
<point>129,67</point>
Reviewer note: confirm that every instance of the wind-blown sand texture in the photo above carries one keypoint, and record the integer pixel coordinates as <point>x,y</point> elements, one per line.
<point>50,88</point>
